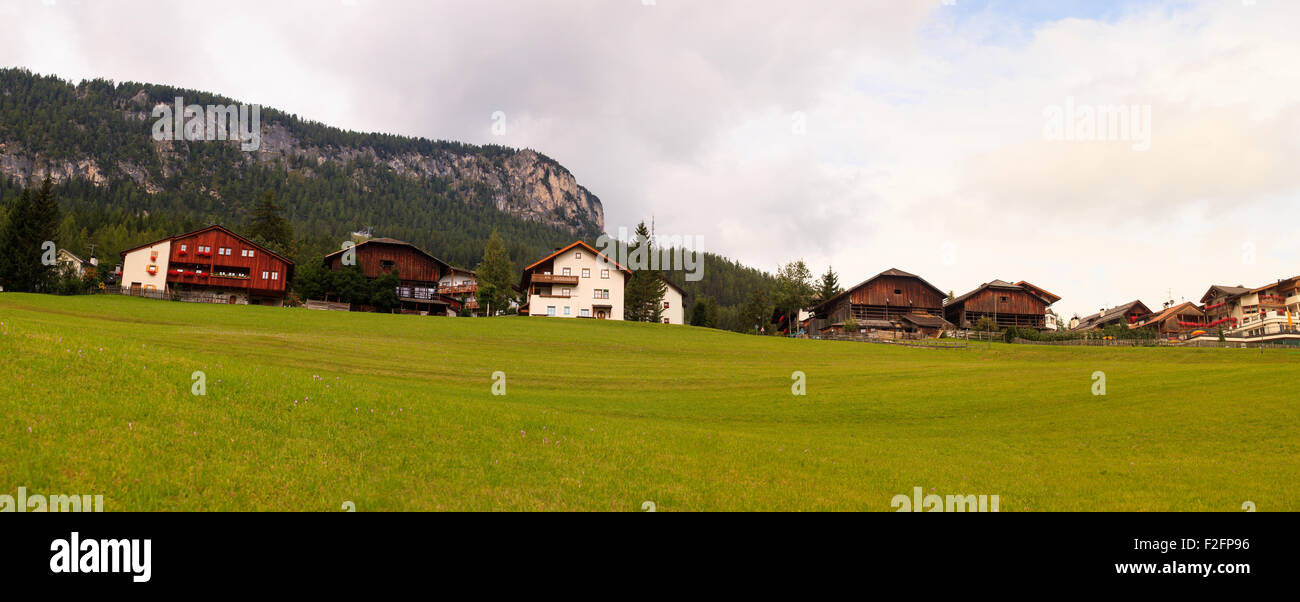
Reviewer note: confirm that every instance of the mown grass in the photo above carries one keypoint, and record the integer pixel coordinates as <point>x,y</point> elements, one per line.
<point>397,413</point>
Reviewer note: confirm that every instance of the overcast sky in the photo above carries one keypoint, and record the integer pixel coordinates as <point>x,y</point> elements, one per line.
<point>865,134</point>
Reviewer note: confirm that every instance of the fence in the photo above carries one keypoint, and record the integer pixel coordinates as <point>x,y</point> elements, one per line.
<point>1159,343</point>
<point>188,296</point>
<point>904,341</point>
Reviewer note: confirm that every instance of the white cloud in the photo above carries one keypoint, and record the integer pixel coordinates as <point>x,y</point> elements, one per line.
<point>921,127</point>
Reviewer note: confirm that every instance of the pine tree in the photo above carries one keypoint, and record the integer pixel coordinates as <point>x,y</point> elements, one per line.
<point>644,293</point>
<point>33,222</point>
<point>494,276</point>
<point>269,228</point>
<point>828,286</point>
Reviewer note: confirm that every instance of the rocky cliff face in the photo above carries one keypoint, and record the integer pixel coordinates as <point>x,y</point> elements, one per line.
<point>522,183</point>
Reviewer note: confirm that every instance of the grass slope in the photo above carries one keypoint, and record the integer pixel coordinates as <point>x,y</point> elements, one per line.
<point>305,410</point>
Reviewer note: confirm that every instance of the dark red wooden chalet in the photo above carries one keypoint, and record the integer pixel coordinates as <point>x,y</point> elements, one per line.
<point>215,264</point>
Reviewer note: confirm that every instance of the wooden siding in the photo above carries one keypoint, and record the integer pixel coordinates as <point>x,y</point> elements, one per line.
<point>1005,301</point>
<point>911,293</point>
<point>413,267</point>
<point>185,256</point>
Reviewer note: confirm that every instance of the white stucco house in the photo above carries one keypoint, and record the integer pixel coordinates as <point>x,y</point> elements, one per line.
<point>576,281</point>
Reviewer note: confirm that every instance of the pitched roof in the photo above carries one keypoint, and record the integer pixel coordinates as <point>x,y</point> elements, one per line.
<point>1274,284</point>
<point>1230,291</point>
<point>1048,296</point>
<point>1169,312</point>
<point>673,286</point>
<point>993,284</point>
<point>205,229</point>
<point>1109,314</point>
<point>570,246</point>
<point>926,321</point>
<point>391,241</point>
<point>889,272</point>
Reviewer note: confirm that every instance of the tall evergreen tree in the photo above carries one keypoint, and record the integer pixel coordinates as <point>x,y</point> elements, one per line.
<point>643,296</point>
<point>827,286</point>
<point>494,276</point>
<point>33,222</point>
<point>269,228</point>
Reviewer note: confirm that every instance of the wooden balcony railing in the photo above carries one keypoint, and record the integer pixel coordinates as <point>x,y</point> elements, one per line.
<point>554,279</point>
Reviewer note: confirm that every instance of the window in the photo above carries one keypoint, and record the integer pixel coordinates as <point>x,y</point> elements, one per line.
<point>604,274</point>
<point>250,252</point>
<point>182,247</point>
<point>243,252</point>
<point>265,275</point>
<point>665,305</point>
<point>387,264</point>
<point>665,320</point>
<point>550,310</point>
<point>566,272</point>
<point>577,255</point>
<point>586,272</point>
<point>898,291</point>
<point>584,312</point>
<point>564,292</point>
<point>600,293</point>
<point>275,275</point>
<point>566,310</point>
<point>1003,299</point>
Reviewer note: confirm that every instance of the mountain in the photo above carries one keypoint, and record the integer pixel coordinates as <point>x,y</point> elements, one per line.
<point>117,186</point>
<point>94,139</point>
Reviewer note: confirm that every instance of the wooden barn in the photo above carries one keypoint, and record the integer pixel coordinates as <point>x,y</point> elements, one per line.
<point>212,265</point>
<point>418,271</point>
<point>891,304</point>
<point>1022,305</point>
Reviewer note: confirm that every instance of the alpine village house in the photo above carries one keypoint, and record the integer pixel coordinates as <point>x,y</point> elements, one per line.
<point>575,281</point>
<point>1020,305</point>
<point>211,265</point>
<point>891,304</point>
<point>419,274</point>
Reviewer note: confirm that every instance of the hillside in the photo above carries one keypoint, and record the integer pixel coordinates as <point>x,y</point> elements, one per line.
<point>94,140</point>
<point>306,410</point>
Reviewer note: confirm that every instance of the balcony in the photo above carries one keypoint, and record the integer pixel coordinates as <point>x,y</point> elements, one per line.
<point>554,279</point>
<point>458,289</point>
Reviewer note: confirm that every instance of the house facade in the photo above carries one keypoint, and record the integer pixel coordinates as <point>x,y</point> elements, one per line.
<point>462,285</point>
<point>1021,305</point>
<point>673,304</point>
<point>1271,309</point>
<point>1175,322</point>
<point>1126,314</point>
<point>418,273</point>
<point>575,281</point>
<point>891,304</point>
<point>211,265</point>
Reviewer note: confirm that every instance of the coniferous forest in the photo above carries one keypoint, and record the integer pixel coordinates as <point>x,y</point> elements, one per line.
<point>122,188</point>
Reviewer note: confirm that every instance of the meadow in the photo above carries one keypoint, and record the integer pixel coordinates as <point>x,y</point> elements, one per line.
<point>306,410</point>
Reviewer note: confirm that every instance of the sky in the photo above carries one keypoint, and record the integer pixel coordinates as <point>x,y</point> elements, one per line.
<point>963,140</point>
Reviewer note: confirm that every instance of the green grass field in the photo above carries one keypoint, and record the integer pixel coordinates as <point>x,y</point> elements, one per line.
<point>305,410</point>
